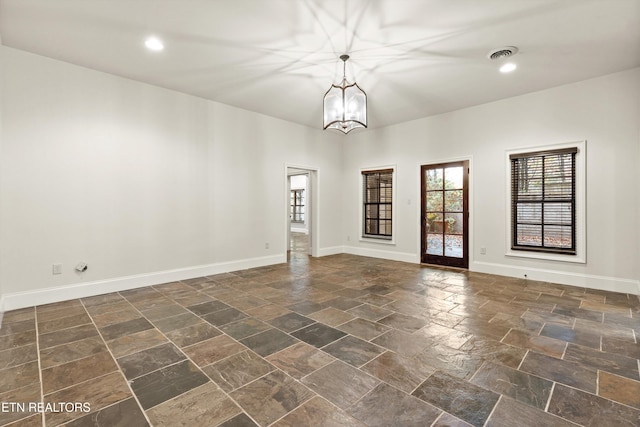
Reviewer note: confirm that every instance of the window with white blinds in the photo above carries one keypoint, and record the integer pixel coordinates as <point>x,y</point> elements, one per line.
<point>543,201</point>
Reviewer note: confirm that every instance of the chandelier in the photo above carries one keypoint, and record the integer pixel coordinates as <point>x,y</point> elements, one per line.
<point>345,105</point>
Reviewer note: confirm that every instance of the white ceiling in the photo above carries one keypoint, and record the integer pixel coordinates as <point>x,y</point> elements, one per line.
<point>414,58</point>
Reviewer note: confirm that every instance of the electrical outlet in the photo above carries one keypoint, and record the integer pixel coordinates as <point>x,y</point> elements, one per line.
<point>348,238</point>
<point>266,245</point>
<point>483,251</point>
<point>57,269</point>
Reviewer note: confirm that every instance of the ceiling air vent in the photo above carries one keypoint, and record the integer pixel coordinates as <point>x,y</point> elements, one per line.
<point>502,52</point>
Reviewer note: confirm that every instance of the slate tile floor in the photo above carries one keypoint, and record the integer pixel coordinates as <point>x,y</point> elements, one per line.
<point>335,341</point>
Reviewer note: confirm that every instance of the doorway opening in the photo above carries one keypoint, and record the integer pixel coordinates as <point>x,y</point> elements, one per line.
<point>300,216</point>
<point>445,214</point>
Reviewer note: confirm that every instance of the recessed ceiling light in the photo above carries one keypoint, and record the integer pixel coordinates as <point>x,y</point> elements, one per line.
<point>154,44</point>
<point>508,67</point>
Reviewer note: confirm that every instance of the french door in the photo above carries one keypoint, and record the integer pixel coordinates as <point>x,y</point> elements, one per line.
<point>445,214</point>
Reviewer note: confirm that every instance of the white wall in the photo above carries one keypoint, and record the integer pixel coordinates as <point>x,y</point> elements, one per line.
<point>604,111</point>
<point>136,181</point>
<point>1,153</point>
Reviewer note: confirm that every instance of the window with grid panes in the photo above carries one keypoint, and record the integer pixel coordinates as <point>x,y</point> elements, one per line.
<point>297,205</point>
<point>377,187</point>
<point>543,201</point>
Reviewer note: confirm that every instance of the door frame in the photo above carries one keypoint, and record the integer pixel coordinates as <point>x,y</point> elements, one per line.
<point>470,202</point>
<point>312,211</point>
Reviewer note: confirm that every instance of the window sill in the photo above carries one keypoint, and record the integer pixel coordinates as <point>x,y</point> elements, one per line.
<point>576,259</point>
<point>376,240</point>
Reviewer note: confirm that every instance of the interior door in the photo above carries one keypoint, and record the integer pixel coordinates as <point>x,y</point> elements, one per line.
<point>445,214</point>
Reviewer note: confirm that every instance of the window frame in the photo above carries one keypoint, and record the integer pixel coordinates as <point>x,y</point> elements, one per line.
<point>377,238</point>
<point>578,253</point>
<point>294,194</point>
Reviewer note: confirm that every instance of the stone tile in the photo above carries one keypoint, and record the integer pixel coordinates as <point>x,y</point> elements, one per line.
<point>403,322</point>
<point>19,376</point>
<point>54,314</point>
<point>20,315</point>
<point>164,311</point>
<point>561,371</point>
<point>102,299</point>
<point>443,335</point>
<point>222,317</point>
<point>306,307</point>
<point>589,410</point>
<point>387,406</point>
<point>621,346</point>
<point>164,384</point>
<point>604,329</point>
<point>244,328</point>
<point>208,307</point>
<point>365,329</point>
<point>241,420</point>
<point>549,346</point>
<point>300,359</point>
<point>466,401</point>
<point>401,372</point>
<point>332,316</point>
<point>401,343</point>
<point>212,350</point>
<point>106,319</point>
<point>203,406</point>
<point>29,421</point>
<point>494,351</point>
<point>63,323</point>
<point>124,413</point>
<point>122,305</point>
<point>352,350</point>
<point>620,389</point>
<point>193,334</point>
<point>18,356</point>
<point>99,393</point>
<point>17,327</point>
<point>375,299</point>
<point>594,359</point>
<point>268,312</point>
<point>19,339</point>
<point>237,370</point>
<point>579,313</point>
<point>179,321</point>
<point>509,413</point>
<point>246,302</point>
<point>270,397</point>
<point>370,312</point>
<point>564,333</point>
<point>318,335</point>
<point>25,394</point>
<point>318,412</point>
<point>268,342</point>
<point>448,420</point>
<point>118,330</point>
<point>149,360</point>
<point>72,351</point>
<point>452,361</point>
<point>291,322</point>
<point>68,374</point>
<point>341,384</point>
<point>136,342</point>
<point>342,303</point>
<point>523,387</point>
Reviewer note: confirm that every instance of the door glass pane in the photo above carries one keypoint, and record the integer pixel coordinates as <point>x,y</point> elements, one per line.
<point>434,222</point>
<point>453,201</point>
<point>453,178</point>
<point>434,179</point>
<point>453,223</point>
<point>453,246</point>
<point>434,201</point>
<point>434,244</point>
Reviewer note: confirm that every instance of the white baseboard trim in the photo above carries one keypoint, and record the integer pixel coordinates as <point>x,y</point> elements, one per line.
<point>377,253</point>
<point>605,283</point>
<point>333,250</point>
<point>18,300</point>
